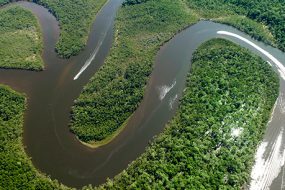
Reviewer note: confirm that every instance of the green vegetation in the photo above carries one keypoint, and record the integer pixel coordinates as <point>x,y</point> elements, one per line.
<point>115,91</point>
<point>271,13</point>
<point>20,47</point>
<point>108,139</point>
<point>251,27</point>
<point>20,39</point>
<point>75,19</point>
<point>3,2</point>
<point>16,169</point>
<point>211,141</point>
<point>228,90</point>
<point>266,12</point>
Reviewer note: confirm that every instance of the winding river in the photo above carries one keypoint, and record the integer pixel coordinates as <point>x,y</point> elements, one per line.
<point>51,93</point>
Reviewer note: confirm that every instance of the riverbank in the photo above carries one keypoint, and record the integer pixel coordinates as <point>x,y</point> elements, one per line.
<point>97,144</point>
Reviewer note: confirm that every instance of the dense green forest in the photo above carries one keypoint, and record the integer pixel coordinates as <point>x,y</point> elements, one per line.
<point>20,39</point>
<point>16,169</point>
<point>211,141</point>
<point>114,93</point>
<point>199,148</point>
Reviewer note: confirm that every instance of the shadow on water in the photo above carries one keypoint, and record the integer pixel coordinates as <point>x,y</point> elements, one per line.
<point>51,93</point>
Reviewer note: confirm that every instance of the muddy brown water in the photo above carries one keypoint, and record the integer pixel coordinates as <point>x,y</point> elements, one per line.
<point>51,93</point>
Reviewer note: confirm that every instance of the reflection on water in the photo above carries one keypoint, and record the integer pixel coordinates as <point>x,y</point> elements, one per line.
<point>164,90</point>
<point>266,169</point>
<point>172,101</point>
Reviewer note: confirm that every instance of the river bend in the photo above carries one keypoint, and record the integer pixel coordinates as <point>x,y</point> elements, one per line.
<point>51,93</point>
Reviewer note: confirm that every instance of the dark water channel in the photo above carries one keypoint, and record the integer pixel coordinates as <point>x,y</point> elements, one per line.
<point>51,93</point>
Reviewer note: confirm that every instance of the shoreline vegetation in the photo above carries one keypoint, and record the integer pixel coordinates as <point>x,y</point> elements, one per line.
<point>211,141</point>
<point>107,140</point>
<point>21,43</point>
<point>114,92</point>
